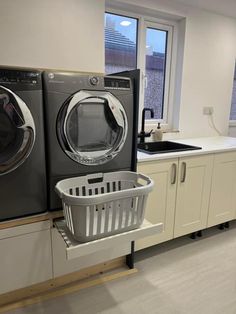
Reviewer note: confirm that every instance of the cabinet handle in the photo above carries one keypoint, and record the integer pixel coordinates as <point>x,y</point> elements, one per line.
<point>183,172</point>
<point>174,173</point>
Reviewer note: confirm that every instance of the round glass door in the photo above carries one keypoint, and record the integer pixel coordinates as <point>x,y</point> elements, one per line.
<point>17,131</point>
<point>92,127</point>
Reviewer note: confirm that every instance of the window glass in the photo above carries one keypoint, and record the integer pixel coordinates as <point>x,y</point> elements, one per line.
<point>120,43</point>
<point>233,102</point>
<point>154,51</point>
<point>155,63</point>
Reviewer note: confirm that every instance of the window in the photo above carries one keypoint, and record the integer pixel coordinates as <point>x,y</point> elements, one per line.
<point>154,50</point>
<point>120,43</point>
<point>155,70</point>
<point>233,102</point>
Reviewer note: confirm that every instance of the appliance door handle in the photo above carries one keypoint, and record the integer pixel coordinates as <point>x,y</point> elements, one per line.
<point>145,81</point>
<point>183,172</point>
<point>15,117</point>
<point>174,173</point>
<point>21,118</point>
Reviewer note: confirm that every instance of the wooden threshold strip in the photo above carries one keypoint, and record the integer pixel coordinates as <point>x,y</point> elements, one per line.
<point>72,288</point>
<point>85,273</point>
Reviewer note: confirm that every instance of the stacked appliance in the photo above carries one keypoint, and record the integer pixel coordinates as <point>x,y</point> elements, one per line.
<point>91,125</point>
<point>22,154</point>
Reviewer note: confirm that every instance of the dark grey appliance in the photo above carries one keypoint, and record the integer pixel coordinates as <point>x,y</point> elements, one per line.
<point>22,153</point>
<point>89,123</point>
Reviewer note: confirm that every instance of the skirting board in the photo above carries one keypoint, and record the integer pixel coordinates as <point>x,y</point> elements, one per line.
<point>63,285</point>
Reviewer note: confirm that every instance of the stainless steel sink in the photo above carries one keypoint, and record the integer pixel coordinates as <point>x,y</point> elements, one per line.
<point>164,147</point>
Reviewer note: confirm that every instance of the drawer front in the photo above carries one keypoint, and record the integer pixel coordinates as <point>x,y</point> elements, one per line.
<point>25,260</point>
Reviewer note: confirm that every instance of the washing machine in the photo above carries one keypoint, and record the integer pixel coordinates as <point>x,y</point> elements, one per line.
<point>90,126</point>
<point>22,149</point>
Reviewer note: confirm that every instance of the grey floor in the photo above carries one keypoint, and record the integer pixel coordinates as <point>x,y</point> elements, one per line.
<point>183,276</point>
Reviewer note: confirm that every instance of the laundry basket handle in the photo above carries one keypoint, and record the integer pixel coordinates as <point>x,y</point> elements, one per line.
<point>94,178</point>
<point>144,178</point>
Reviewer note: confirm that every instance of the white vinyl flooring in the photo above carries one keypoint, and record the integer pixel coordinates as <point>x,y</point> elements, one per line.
<point>182,276</point>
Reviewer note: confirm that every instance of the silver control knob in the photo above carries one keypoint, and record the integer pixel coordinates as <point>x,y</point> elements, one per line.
<point>94,80</point>
<point>51,75</point>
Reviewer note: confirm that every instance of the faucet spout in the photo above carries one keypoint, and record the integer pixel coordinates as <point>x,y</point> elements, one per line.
<point>142,134</point>
<point>143,117</point>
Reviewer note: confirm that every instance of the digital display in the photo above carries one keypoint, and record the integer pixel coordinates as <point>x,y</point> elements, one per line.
<point>116,83</point>
<point>15,76</point>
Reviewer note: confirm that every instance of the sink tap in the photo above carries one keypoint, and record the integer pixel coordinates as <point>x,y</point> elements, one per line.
<point>143,134</point>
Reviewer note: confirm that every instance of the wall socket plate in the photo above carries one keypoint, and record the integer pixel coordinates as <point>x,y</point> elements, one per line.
<point>208,111</point>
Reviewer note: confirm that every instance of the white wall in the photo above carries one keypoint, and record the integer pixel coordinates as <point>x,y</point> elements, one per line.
<point>232,131</point>
<point>208,64</point>
<point>59,34</point>
<point>209,59</point>
<point>69,35</point>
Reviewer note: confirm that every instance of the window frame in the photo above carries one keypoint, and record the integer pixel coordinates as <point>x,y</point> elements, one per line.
<point>232,122</point>
<point>169,31</point>
<point>170,26</point>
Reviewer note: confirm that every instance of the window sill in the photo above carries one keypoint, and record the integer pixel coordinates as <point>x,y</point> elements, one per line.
<point>164,127</point>
<point>152,125</point>
<point>232,123</point>
<point>170,131</point>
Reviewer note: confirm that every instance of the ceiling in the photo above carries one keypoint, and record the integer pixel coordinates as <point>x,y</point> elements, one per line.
<point>225,7</point>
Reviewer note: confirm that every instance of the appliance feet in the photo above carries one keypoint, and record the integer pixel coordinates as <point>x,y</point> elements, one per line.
<point>196,234</point>
<point>221,226</point>
<point>227,224</point>
<point>130,257</point>
<point>199,233</point>
<point>224,225</point>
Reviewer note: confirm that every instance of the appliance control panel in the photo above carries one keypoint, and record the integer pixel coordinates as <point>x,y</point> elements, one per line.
<point>117,83</point>
<point>19,76</point>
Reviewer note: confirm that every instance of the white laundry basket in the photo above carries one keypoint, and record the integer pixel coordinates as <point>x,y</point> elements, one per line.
<point>100,205</point>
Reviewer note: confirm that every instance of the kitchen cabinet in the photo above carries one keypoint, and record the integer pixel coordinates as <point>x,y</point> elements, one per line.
<point>222,206</point>
<point>26,256</point>
<point>180,198</point>
<point>160,206</point>
<point>193,190</point>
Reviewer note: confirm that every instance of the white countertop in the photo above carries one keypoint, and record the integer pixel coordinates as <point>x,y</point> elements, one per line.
<point>209,145</point>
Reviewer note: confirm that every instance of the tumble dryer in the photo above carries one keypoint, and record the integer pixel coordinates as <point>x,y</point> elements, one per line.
<point>90,125</point>
<point>22,154</point>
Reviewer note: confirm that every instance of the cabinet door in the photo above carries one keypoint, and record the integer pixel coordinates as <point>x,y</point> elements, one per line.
<point>193,190</point>
<point>223,193</point>
<point>160,206</point>
<point>26,256</point>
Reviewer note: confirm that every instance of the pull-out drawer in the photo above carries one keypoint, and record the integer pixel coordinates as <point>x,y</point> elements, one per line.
<point>76,249</point>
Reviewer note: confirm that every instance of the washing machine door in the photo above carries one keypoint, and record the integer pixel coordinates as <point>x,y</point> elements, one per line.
<point>17,131</point>
<point>92,127</point>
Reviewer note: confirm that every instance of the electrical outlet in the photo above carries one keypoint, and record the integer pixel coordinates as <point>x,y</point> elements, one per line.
<point>208,111</point>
